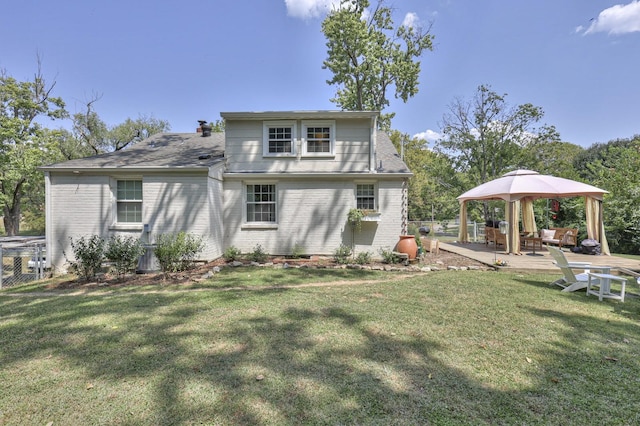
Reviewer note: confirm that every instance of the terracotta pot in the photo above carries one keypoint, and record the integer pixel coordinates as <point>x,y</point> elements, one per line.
<point>408,245</point>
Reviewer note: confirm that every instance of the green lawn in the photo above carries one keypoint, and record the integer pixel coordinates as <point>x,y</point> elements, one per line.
<point>360,348</point>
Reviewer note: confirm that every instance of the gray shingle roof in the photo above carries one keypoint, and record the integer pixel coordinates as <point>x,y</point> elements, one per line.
<point>163,150</point>
<point>191,150</point>
<point>388,155</point>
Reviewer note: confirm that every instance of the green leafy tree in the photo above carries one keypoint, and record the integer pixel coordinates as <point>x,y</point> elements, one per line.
<point>552,157</point>
<point>614,167</point>
<point>434,186</point>
<point>485,137</point>
<point>217,126</point>
<point>25,145</point>
<point>368,56</point>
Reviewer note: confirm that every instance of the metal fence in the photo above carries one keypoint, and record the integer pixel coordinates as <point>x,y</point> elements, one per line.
<point>22,264</point>
<point>448,229</point>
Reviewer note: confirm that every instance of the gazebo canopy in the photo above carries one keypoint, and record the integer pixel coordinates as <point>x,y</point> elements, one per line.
<point>529,184</point>
<point>526,186</point>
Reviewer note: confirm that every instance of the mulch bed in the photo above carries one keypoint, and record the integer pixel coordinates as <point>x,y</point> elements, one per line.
<point>442,260</point>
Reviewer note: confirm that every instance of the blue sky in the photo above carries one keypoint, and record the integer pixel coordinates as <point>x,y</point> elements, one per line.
<point>187,60</point>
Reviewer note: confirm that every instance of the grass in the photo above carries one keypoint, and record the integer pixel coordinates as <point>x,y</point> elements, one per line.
<point>439,348</point>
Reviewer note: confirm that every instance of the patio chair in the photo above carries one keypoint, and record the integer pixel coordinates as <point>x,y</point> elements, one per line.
<point>571,281</point>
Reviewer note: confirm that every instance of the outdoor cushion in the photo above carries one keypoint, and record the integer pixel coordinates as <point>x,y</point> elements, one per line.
<point>548,234</point>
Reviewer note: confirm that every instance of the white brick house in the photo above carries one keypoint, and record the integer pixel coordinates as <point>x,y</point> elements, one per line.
<point>278,179</point>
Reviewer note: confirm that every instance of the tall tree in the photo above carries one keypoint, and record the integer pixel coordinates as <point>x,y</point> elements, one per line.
<point>25,144</point>
<point>368,56</point>
<point>485,136</point>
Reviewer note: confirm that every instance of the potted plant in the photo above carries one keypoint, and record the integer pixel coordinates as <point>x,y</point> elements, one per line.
<point>355,217</point>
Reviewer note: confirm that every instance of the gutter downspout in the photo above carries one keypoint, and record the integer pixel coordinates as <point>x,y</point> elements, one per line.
<point>373,145</point>
<point>48,219</point>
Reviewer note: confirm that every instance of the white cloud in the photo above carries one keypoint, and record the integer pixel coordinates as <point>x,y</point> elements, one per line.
<point>428,135</point>
<point>618,19</point>
<point>307,9</point>
<point>411,20</point>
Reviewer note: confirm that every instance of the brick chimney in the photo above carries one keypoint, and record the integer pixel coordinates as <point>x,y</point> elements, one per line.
<point>204,128</point>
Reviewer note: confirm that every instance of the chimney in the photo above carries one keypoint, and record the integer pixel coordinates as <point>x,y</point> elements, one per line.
<point>204,128</point>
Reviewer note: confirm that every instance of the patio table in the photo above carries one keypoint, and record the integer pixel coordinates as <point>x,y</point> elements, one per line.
<point>534,242</point>
<point>604,289</point>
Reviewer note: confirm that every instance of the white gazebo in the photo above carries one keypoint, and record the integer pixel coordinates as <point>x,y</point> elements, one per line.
<point>519,188</point>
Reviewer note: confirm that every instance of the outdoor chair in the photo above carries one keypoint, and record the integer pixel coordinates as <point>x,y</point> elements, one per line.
<point>571,281</point>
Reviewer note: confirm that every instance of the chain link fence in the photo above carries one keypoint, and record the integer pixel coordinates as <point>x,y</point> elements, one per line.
<point>21,264</point>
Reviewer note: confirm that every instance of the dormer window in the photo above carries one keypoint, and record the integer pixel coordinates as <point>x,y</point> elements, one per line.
<point>319,138</point>
<point>279,138</point>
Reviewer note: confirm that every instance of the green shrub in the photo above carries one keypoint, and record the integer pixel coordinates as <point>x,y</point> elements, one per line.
<point>176,252</point>
<point>297,251</point>
<point>363,258</point>
<point>124,252</point>
<point>354,216</point>
<point>388,256</point>
<point>342,254</point>
<point>231,253</point>
<point>89,255</point>
<point>258,254</point>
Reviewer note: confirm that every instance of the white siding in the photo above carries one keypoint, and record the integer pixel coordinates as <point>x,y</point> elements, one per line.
<point>181,203</point>
<point>244,149</point>
<point>82,205</point>
<point>313,214</point>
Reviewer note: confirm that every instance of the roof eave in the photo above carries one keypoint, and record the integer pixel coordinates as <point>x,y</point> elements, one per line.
<point>103,170</point>
<point>282,115</point>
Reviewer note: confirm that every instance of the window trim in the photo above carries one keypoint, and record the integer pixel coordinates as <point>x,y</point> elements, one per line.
<point>116,224</point>
<point>246,224</point>
<point>331,124</point>
<point>266,125</point>
<point>376,202</point>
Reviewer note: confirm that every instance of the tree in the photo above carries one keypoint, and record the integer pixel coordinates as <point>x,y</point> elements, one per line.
<point>217,126</point>
<point>614,167</point>
<point>433,188</point>
<point>485,137</point>
<point>552,157</point>
<point>367,57</point>
<point>96,137</point>
<point>25,144</point>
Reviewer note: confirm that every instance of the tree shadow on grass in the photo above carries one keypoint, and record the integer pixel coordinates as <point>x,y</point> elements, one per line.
<point>263,358</point>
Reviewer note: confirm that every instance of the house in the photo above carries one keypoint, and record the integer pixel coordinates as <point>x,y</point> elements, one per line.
<point>277,179</point>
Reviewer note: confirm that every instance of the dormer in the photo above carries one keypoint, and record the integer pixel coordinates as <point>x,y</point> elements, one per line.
<point>300,141</point>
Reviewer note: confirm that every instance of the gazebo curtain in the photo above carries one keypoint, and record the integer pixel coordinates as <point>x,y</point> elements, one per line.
<point>528,217</point>
<point>513,235</point>
<point>595,224</point>
<point>462,230</point>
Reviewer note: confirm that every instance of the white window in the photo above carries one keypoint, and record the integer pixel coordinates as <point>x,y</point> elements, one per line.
<point>279,138</point>
<point>261,203</point>
<point>366,196</point>
<point>129,201</point>
<point>318,138</point>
